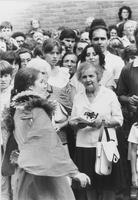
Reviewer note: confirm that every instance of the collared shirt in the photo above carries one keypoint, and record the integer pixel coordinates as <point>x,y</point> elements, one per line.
<point>113,64</point>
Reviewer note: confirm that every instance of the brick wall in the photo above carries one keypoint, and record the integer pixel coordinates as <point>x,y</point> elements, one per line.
<point>55,13</point>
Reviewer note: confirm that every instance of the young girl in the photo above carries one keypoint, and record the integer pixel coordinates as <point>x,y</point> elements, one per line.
<point>42,163</point>
<point>59,76</point>
<point>57,80</point>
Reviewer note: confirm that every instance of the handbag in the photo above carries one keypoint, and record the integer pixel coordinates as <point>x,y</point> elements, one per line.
<point>106,153</point>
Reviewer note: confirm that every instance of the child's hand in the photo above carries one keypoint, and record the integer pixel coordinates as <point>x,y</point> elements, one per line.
<point>83,178</point>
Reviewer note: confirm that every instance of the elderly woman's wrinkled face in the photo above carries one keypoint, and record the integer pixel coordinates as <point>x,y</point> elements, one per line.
<point>91,56</point>
<point>89,79</point>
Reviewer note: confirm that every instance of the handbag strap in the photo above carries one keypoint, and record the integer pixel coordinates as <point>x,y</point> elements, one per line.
<point>107,134</point>
<point>101,132</point>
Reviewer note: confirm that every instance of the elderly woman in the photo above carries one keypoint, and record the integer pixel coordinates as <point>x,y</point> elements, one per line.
<point>103,101</point>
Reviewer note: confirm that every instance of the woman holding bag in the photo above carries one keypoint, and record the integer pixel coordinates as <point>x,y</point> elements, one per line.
<point>101,101</point>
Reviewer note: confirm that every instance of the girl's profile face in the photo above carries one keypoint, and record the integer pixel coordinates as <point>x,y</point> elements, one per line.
<point>53,57</point>
<point>91,56</point>
<point>40,84</point>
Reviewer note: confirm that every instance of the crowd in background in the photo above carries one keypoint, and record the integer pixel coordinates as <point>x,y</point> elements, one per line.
<point>48,80</point>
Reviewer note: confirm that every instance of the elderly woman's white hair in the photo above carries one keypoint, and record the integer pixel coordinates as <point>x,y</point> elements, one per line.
<point>84,66</point>
<point>40,64</point>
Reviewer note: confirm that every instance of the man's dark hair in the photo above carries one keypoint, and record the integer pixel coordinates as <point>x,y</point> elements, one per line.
<point>17,34</point>
<point>97,24</point>
<point>67,33</point>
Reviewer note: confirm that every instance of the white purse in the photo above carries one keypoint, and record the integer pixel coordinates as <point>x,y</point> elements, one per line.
<point>106,153</point>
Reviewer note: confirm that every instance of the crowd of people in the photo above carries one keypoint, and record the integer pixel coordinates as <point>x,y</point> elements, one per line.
<point>52,84</point>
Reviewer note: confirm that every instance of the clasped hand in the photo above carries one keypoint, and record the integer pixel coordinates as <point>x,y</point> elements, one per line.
<point>97,123</point>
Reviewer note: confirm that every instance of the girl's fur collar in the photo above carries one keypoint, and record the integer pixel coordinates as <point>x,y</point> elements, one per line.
<point>25,95</point>
<point>30,100</point>
<point>27,100</point>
